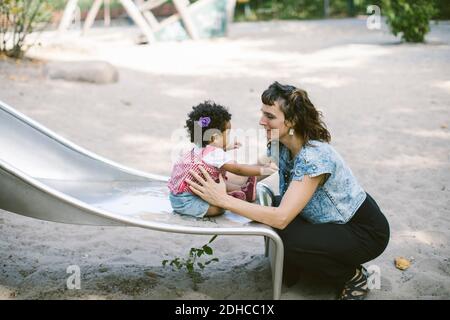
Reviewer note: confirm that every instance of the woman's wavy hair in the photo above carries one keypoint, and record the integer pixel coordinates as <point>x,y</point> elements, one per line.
<point>299,110</point>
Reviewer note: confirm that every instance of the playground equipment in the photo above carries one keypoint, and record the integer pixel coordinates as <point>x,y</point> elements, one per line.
<point>201,19</point>
<point>46,177</point>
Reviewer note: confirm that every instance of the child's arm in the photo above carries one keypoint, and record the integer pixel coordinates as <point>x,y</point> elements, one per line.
<point>250,170</point>
<point>232,186</point>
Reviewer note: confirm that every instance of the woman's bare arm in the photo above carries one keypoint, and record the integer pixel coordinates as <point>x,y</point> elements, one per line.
<point>294,200</point>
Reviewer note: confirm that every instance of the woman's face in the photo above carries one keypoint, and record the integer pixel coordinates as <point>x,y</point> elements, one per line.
<point>273,120</point>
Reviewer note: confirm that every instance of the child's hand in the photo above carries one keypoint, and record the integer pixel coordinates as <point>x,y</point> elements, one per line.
<point>268,169</point>
<point>233,146</point>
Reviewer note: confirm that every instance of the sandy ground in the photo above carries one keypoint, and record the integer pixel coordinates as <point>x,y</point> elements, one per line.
<point>386,104</point>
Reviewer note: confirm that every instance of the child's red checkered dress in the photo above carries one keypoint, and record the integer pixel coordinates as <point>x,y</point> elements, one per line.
<point>191,161</point>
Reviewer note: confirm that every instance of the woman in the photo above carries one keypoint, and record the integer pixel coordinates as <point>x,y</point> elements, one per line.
<point>328,223</point>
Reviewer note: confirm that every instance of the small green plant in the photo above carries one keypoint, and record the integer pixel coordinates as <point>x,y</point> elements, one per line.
<point>19,18</point>
<point>193,262</point>
<point>410,18</point>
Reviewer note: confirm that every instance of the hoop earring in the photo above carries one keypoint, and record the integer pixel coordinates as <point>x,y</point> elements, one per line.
<point>291,131</point>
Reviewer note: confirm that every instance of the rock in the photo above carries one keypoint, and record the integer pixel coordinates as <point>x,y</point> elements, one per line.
<point>402,263</point>
<point>85,71</point>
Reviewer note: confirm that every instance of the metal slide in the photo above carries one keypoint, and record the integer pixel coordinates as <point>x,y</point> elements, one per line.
<point>46,177</point>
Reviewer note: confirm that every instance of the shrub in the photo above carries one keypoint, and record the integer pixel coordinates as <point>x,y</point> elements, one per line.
<point>410,18</point>
<point>19,18</point>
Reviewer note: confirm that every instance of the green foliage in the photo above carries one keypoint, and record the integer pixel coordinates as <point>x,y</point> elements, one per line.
<point>443,10</point>
<point>300,9</point>
<point>282,9</point>
<point>18,18</point>
<point>57,4</point>
<point>410,18</point>
<point>82,4</point>
<point>193,262</point>
<point>314,9</point>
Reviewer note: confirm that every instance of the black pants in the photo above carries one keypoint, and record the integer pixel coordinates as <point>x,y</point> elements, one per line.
<point>334,250</point>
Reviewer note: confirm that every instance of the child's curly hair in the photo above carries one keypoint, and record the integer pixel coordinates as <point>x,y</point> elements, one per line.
<point>206,116</point>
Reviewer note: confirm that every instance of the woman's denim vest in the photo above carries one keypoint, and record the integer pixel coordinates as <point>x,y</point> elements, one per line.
<point>336,200</point>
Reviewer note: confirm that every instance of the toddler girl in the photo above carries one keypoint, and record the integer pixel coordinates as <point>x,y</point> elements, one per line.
<point>208,125</point>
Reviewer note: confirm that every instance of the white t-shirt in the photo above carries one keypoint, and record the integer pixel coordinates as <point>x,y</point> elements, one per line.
<point>216,158</point>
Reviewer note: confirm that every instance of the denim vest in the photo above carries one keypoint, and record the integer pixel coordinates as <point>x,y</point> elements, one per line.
<point>336,200</point>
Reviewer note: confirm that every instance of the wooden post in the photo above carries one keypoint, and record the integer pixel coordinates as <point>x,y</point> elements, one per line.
<point>107,12</point>
<point>186,18</point>
<point>135,14</point>
<point>326,8</point>
<point>231,6</point>
<point>129,6</point>
<point>91,15</point>
<point>151,19</point>
<point>67,17</point>
<point>148,14</point>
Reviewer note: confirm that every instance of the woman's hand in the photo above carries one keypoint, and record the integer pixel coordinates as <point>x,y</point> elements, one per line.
<point>206,188</point>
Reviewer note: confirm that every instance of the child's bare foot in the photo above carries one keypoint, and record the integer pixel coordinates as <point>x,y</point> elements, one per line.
<point>214,211</point>
<point>238,194</point>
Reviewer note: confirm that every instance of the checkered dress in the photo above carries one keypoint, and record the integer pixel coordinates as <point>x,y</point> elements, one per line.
<point>191,161</point>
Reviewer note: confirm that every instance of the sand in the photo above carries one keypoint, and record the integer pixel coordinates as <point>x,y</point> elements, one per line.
<point>386,104</point>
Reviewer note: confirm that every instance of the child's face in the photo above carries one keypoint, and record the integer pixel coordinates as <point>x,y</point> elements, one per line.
<point>221,140</point>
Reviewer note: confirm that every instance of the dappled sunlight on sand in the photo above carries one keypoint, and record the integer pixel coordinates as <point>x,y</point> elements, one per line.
<point>444,85</point>
<point>400,110</point>
<point>427,237</point>
<point>7,293</point>
<point>219,57</point>
<point>422,133</point>
<point>145,141</point>
<point>237,57</point>
<point>184,92</point>
<point>412,162</point>
<point>328,82</point>
<point>386,104</point>
<point>148,147</point>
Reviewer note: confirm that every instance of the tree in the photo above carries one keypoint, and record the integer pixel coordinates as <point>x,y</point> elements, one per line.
<point>18,18</point>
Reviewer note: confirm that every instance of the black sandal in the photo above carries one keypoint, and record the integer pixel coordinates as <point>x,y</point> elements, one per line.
<point>356,288</point>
